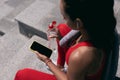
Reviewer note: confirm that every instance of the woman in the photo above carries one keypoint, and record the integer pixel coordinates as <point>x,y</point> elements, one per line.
<point>86,57</point>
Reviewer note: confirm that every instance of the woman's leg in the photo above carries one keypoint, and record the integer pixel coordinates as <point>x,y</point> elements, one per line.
<point>30,74</point>
<point>63,29</point>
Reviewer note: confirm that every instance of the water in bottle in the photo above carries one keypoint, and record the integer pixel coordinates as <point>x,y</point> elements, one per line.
<point>52,36</point>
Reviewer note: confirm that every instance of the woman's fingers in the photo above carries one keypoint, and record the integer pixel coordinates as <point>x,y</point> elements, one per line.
<point>41,56</point>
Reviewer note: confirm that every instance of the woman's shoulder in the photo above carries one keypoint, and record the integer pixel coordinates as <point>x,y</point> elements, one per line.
<point>83,48</point>
<point>84,51</point>
<point>82,58</point>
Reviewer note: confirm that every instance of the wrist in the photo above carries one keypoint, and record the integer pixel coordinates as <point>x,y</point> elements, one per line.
<point>59,66</point>
<point>47,61</point>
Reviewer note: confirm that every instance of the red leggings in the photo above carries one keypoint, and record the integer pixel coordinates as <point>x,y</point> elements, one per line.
<point>30,74</point>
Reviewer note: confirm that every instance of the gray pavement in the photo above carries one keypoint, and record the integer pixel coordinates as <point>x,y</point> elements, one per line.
<point>34,15</point>
<point>14,49</point>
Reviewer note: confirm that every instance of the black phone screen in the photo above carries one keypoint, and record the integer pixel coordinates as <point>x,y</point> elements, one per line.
<point>41,49</point>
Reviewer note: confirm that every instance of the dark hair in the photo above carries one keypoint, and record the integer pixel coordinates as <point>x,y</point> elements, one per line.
<point>97,17</point>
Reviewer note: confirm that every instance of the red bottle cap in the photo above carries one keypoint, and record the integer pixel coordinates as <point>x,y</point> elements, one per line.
<point>54,22</point>
<point>51,25</point>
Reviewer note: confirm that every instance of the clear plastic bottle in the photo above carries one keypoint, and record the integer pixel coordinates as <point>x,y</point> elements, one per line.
<point>52,36</point>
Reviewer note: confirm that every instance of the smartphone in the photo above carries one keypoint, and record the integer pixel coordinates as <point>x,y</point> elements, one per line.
<point>41,49</point>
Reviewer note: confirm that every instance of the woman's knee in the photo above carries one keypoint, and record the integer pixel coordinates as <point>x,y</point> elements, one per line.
<point>22,74</point>
<point>63,29</point>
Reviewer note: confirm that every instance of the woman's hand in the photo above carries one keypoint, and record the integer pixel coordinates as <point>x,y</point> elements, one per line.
<point>53,34</point>
<point>41,57</point>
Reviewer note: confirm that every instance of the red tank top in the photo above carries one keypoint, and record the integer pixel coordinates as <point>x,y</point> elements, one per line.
<point>96,76</point>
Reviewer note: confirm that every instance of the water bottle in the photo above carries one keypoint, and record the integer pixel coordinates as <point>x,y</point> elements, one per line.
<point>52,33</point>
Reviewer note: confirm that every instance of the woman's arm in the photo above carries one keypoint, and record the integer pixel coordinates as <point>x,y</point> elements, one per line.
<point>79,62</point>
<point>60,75</point>
<point>61,56</point>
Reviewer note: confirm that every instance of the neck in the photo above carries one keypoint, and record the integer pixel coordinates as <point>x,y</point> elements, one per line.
<point>83,37</point>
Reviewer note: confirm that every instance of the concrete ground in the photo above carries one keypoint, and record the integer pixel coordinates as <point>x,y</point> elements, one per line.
<point>34,15</point>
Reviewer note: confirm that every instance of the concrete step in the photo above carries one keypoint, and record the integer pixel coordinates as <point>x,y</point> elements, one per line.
<point>116,6</point>
<point>5,10</point>
<point>10,44</point>
<point>18,6</point>
<point>24,58</point>
<point>117,14</point>
<point>14,46</point>
<point>7,25</point>
<point>9,11</point>
<point>35,18</point>
<point>2,1</point>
